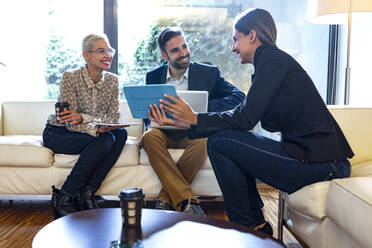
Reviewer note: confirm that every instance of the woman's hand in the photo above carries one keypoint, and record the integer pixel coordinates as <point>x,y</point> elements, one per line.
<point>157,115</point>
<point>179,109</point>
<point>70,117</point>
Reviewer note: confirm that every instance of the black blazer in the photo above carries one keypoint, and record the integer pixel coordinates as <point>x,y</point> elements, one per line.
<point>221,94</point>
<point>284,99</point>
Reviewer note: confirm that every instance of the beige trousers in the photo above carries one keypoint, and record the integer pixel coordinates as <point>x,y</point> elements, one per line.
<point>176,178</point>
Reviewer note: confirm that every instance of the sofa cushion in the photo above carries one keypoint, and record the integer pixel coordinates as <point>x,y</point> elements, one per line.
<point>362,170</point>
<point>175,154</point>
<point>26,117</point>
<point>356,125</point>
<point>310,200</point>
<point>128,157</point>
<point>349,205</point>
<point>24,151</point>
<point>35,113</point>
<point>126,116</point>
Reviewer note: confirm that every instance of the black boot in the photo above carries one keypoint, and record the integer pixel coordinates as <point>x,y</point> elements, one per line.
<point>62,203</point>
<point>87,199</point>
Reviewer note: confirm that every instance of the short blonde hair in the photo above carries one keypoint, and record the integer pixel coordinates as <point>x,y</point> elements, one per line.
<point>88,41</point>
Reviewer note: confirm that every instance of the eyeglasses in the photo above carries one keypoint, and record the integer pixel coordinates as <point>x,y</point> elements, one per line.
<point>102,51</point>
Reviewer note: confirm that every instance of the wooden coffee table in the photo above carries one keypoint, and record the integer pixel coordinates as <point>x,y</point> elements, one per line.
<point>159,229</point>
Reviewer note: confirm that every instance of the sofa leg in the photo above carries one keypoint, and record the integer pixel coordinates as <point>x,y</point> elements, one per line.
<point>280,216</point>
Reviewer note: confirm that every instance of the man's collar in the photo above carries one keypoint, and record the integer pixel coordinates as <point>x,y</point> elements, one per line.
<point>186,74</point>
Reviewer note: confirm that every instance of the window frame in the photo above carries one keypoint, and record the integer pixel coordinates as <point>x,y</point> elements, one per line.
<point>333,47</point>
<point>110,24</point>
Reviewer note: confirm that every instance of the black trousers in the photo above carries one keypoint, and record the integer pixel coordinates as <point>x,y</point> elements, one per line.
<point>239,157</point>
<point>97,154</point>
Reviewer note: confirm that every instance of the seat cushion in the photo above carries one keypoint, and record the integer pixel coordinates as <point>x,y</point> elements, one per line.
<point>24,151</point>
<point>128,157</point>
<point>349,205</point>
<point>175,154</point>
<point>310,200</point>
<point>362,170</point>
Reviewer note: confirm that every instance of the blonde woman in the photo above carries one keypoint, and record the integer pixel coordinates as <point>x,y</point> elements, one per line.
<point>92,93</point>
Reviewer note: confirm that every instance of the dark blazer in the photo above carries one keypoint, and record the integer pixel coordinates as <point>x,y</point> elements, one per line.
<point>221,94</point>
<point>284,99</point>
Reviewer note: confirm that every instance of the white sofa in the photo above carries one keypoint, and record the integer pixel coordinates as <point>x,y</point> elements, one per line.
<point>29,168</point>
<point>337,213</point>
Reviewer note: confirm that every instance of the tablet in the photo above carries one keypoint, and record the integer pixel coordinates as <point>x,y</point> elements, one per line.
<point>140,97</point>
<point>197,100</point>
<point>115,124</point>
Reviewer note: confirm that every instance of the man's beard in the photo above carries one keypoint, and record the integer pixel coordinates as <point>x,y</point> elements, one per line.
<point>176,64</point>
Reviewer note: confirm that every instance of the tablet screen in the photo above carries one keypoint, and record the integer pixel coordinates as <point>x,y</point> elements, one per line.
<point>140,97</point>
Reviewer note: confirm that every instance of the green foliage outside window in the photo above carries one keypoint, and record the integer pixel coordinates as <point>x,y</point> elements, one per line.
<point>209,41</point>
<point>59,59</point>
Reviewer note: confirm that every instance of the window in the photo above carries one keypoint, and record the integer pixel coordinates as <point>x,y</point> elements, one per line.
<point>360,56</point>
<point>208,27</point>
<point>38,45</point>
<point>40,40</point>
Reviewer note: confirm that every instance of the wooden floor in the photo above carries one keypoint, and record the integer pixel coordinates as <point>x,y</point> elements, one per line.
<point>20,220</point>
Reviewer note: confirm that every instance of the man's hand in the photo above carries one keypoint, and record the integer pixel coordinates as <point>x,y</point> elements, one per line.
<point>70,117</point>
<point>179,109</point>
<point>157,115</point>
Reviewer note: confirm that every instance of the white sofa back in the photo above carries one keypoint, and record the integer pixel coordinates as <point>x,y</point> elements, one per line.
<point>29,117</point>
<point>356,123</point>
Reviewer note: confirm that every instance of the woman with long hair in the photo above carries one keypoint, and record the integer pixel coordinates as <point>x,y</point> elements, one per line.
<point>284,99</point>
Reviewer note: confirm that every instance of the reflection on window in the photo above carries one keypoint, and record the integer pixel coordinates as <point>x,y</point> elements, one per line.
<point>208,27</point>
<point>360,65</point>
<point>38,45</point>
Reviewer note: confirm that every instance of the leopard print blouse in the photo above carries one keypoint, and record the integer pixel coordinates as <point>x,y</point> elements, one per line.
<point>94,101</point>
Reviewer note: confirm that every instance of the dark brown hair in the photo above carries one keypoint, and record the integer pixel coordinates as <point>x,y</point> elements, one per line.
<point>261,21</point>
<point>166,35</point>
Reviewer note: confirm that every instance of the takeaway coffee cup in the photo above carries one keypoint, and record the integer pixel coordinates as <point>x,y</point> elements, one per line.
<point>131,201</point>
<point>60,107</point>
